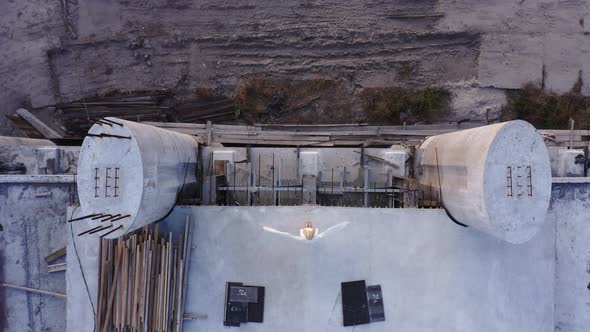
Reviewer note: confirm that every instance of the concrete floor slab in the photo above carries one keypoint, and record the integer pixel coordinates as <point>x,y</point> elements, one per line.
<point>435,275</point>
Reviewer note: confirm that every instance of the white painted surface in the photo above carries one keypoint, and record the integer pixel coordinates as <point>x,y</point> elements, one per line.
<point>309,163</point>
<point>563,162</point>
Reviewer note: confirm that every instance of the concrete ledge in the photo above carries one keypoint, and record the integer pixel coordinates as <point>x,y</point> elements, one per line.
<point>38,179</point>
<point>571,180</point>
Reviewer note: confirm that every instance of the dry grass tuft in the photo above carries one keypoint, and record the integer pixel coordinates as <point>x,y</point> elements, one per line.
<point>293,101</point>
<point>396,105</point>
<point>547,109</point>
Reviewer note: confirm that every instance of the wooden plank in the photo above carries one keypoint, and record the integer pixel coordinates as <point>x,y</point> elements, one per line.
<point>174,289</point>
<point>209,139</point>
<point>116,318</point>
<point>177,316</point>
<point>271,142</point>
<point>148,288</point>
<point>56,267</point>
<point>24,126</point>
<point>187,249</point>
<point>298,135</point>
<point>124,288</point>
<point>176,125</point>
<point>44,129</point>
<point>192,315</point>
<point>55,255</point>
<point>263,137</point>
<point>154,280</point>
<point>101,281</point>
<point>167,289</point>
<point>564,132</point>
<point>112,291</point>
<point>160,288</point>
<point>33,290</point>
<point>332,128</point>
<point>136,285</point>
<point>319,125</point>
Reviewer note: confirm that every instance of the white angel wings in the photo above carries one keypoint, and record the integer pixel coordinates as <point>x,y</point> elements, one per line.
<point>301,235</point>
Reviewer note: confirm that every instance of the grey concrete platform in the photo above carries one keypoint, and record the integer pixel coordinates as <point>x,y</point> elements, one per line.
<point>435,275</point>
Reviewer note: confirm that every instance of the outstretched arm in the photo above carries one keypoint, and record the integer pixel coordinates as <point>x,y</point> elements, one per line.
<point>333,229</point>
<point>289,235</point>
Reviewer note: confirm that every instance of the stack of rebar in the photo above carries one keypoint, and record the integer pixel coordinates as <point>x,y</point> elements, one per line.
<point>142,277</point>
<point>218,109</point>
<point>76,115</point>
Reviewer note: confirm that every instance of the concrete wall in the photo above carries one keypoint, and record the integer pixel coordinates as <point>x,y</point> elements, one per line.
<point>41,159</point>
<point>32,227</point>
<point>32,221</point>
<point>571,211</point>
<point>81,276</point>
<point>55,51</point>
<point>435,275</point>
<point>531,40</point>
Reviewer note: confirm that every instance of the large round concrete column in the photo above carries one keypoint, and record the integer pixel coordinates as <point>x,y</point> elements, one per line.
<point>131,173</point>
<point>494,178</point>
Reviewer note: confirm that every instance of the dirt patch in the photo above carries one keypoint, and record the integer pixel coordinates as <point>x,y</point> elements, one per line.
<point>297,101</point>
<point>333,101</point>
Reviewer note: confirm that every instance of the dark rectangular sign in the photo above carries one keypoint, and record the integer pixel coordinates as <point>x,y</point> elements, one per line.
<point>235,312</point>
<point>256,310</point>
<point>375,298</point>
<point>243,294</point>
<point>243,304</point>
<point>355,309</point>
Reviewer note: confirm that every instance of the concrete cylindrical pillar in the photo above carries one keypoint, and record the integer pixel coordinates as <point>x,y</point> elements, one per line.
<point>494,178</point>
<point>131,173</point>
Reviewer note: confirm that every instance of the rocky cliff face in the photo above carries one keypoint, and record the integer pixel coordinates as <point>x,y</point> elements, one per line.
<point>55,51</point>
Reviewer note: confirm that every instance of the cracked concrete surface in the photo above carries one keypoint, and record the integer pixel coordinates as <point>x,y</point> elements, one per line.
<point>32,228</point>
<point>570,206</point>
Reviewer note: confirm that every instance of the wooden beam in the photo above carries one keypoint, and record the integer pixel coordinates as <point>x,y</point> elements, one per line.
<point>44,129</point>
<point>34,290</point>
<point>56,267</point>
<point>55,255</point>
